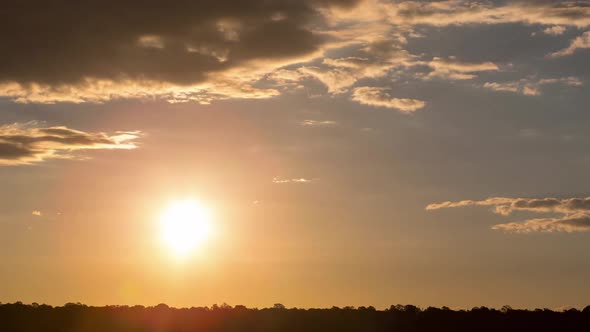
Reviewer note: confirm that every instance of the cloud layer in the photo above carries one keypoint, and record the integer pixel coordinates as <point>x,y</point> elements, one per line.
<point>461,12</point>
<point>27,143</point>
<point>146,47</point>
<point>210,50</point>
<point>575,212</point>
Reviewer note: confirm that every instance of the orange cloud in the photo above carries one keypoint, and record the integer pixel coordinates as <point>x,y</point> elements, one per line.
<point>531,87</point>
<point>452,69</point>
<point>582,41</point>
<point>461,12</point>
<point>373,96</point>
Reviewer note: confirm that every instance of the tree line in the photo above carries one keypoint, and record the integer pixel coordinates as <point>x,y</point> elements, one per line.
<point>77,317</point>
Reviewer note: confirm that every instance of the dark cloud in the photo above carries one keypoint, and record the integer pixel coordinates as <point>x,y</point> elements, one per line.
<point>96,51</point>
<point>64,42</point>
<point>27,143</point>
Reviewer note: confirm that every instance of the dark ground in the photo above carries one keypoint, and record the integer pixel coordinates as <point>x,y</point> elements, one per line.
<point>224,318</point>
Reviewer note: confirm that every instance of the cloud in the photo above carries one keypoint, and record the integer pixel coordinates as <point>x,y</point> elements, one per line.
<point>27,143</point>
<point>555,30</point>
<point>36,213</point>
<point>99,91</point>
<point>373,96</point>
<point>317,123</point>
<point>378,59</point>
<point>569,223</point>
<point>287,77</point>
<point>214,50</point>
<point>487,202</point>
<point>506,205</point>
<point>461,12</point>
<point>142,49</point>
<point>575,212</point>
<point>452,69</point>
<point>529,133</point>
<point>531,87</point>
<point>505,86</point>
<point>582,41</point>
<point>279,180</point>
<point>375,60</point>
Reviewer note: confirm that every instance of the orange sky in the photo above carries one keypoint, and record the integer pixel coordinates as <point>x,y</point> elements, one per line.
<point>351,152</point>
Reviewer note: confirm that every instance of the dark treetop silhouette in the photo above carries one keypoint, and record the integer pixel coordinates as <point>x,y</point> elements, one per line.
<point>78,317</point>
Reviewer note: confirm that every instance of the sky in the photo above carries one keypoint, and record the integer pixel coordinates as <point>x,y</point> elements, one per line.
<point>350,152</point>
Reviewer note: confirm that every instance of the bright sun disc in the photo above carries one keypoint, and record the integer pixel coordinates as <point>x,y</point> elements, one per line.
<point>184,226</point>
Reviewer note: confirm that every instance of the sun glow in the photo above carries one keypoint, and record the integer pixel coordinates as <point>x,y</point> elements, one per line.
<point>184,226</point>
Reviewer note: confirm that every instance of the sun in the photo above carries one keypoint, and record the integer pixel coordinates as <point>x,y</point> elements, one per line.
<point>184,226</point>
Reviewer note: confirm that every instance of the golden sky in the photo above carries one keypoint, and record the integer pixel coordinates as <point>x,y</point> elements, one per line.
<point>346,152</point>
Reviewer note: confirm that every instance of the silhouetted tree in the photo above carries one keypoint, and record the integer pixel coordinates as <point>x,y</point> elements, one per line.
<point>76,317</point>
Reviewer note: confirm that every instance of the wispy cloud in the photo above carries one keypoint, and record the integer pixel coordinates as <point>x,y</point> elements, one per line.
<point>380,97</point>
<point>461,12</point>
<point>453,69</point>
<point>376,60</point>
<point>555,30</point>
<point>280,180</point>
<point>319,123</point>
<point>575,212</point>
<point>99,91</point>
<point>531,87</point>
<point>27,143</point>
<point>582,41</point>
<point>579,222</point>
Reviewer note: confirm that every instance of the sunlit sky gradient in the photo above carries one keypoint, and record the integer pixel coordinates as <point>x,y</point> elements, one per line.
<point>351,152</point>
